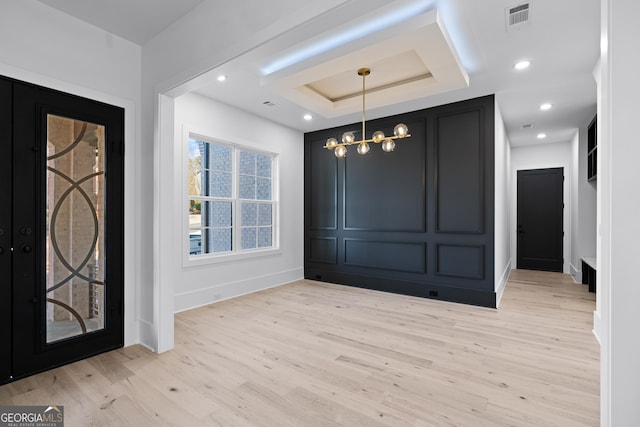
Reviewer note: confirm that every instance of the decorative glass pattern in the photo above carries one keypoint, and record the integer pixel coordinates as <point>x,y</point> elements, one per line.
<point>265,236</point>
<point>221,158</point>
<point>263,189</point>
<point>247,187</point>
<point>221,184</point>
<point>248,238</point>
<point>249,214</point>
<point>265,216</point>
<point>220,214</point>
<point>75,242</point>
<point>247,163</point>
<point>221,240</point>
<point>264,165</point>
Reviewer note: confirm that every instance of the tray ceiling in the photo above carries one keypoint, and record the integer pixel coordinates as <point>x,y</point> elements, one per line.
<point>415,63</point>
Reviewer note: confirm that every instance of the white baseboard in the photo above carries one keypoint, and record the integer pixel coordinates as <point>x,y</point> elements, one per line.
<point>502,283</point>
<point>575,273</point>
<point>597,326</point>
<point>147,335</point>
<point>205,296</point>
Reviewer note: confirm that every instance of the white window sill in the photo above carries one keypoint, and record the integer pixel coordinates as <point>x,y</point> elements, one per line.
<point>208,259</point>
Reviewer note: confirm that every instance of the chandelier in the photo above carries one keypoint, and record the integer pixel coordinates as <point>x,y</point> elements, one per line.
<point>348,138</point>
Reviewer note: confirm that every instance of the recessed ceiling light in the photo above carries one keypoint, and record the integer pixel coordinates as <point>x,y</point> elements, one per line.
<point>521,65</point>
<point>546,106</point>
<point>308,117</point>
<point>222,78</point>
<point>542,136</point>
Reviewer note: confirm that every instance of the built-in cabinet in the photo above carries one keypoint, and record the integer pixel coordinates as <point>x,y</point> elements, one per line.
<point>589,264</point>
<point>592,150</point>
<point>589,268</point>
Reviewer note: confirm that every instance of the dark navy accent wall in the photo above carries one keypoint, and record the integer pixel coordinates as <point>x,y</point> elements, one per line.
<point>417,221</point>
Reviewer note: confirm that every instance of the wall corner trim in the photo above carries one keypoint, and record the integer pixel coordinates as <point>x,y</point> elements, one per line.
<point>502,283</point>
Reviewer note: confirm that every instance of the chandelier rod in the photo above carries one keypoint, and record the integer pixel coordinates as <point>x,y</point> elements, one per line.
<point>364,72</point>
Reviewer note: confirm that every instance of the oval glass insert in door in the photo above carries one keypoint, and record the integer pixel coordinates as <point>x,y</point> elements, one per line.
<point>75,253</point>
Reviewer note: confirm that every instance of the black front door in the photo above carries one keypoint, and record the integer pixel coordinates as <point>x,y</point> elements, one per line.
<point>540,225</point>
<point>61,228</point>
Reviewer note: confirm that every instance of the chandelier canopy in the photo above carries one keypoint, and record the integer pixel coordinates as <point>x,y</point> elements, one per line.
<point>348,138</point>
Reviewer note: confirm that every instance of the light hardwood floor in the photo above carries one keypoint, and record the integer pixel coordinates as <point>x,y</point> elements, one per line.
<point>316,354</point>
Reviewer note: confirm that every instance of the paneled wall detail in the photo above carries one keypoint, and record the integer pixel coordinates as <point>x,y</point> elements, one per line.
<point>393,198</point>
<point>459,172</point>
<point>465,261</point>
<point>392,256</point>
<point>323,211</point>
<point>418,220</point>
<point>323,249</point>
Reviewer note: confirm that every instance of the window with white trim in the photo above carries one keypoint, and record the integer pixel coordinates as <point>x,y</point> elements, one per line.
<point>231,198</point>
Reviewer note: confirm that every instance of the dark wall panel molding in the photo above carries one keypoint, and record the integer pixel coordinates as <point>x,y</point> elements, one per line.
<point>382,255</point>
<point>464,261</point>
<point>387,191</point>
<point>416,221</point>
<point>323,184</point>
<point>323,250</point>
<point>459,160</point>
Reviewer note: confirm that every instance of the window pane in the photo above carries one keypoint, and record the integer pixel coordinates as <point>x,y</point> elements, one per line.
<point>195,171</point>
<point>195,222</point>
<point>247,163</point>
<point>248,238</point>
<point>221,240</point>
<point>195,226</point>
<point>221,158</point>
<point>219,214</point>
<point>264,237</point>
<point>249,214</point>
<point>221,184</point>
<point>214,171</point>
<point>264,165</point>
<point>247,187</point>
<point>195,243</point>
<point>263,188</point>
<point>264,214</point>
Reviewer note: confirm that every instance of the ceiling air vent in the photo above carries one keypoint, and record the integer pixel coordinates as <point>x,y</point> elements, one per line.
<point>518,16</point>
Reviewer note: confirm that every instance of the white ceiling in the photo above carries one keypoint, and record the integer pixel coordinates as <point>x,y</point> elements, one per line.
<point>562,41</point>
<point>135,20</point>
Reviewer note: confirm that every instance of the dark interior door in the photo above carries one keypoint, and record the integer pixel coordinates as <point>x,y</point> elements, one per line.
<point>540,225</point>
<point>5,228</point>
<point>62,212</point>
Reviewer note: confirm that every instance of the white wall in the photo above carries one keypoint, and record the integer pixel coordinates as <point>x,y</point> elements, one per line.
<point>212,34</point>
<point>41,45</point>
<point>619,204</point>
<point>502,218</point>
<point>543,156</point>
<point>205,284</point>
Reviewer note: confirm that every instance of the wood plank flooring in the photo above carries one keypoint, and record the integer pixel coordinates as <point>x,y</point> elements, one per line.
<point>316,354</point>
